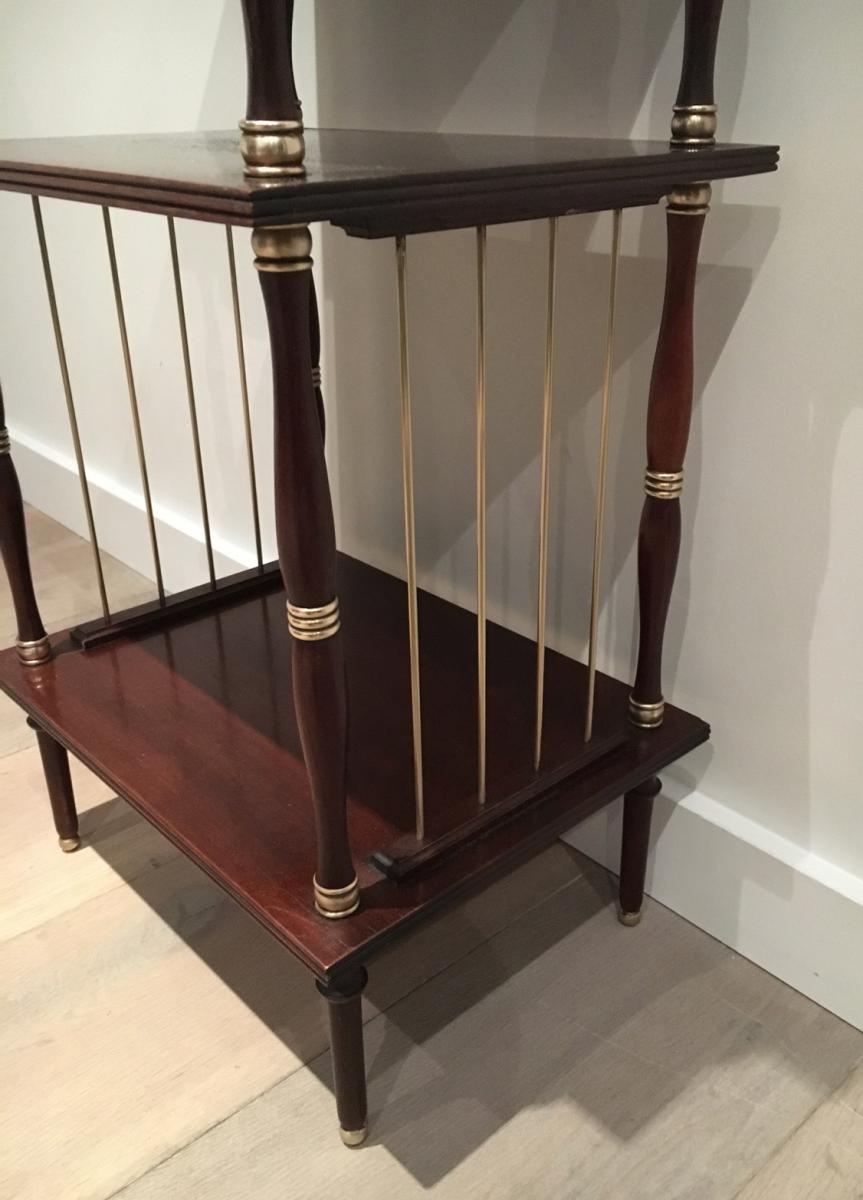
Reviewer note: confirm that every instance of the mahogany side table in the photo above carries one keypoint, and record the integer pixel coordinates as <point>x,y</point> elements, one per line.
<point>225,724</point>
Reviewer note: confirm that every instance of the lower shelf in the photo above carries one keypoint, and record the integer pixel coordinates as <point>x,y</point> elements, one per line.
<point>194,726</point>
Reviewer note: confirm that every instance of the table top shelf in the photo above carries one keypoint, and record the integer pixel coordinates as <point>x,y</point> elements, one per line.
<point>371,183</point>
<point>194,725</point>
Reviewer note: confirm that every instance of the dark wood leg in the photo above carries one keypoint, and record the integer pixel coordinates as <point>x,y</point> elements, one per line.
<point>344,1001</point>
<point>637,811</point>
<point>694,120</point>
<point>307,556</point>
<point>668,417</point>
<point>315,338</point>
<point>55,764</point>
<point>33,646</point>
<point>272,132</point>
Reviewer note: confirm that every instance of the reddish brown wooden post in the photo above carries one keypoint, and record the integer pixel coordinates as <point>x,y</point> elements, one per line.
<point>315,339</point>
<point>693,124</point>
<point>32,641</point>
<point>637,812</point>
<point>344,1001</point>
<point>272,131</point>
<point>55,764</point>
<point>694,120</point>
<point>307,556</point>
<point>33,645</point>
<point>668,416</point>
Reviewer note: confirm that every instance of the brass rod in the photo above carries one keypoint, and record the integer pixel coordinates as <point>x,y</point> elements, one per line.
<point>133,402</point>
<point>70,407</point>
<point>542,582</point>
<point>599,516</point>
<point>244,392</point>
<point>190,392</point>
<point>410,533</point>
<point>480,511</point>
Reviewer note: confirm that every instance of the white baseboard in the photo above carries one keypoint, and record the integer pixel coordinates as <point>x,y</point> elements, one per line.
<point>49,481</point>
<point>796,915</point>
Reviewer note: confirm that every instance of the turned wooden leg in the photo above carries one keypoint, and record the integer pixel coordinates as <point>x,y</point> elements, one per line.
<point>637,811</point>
<point>55,764</point>
<point>344,1001</point>
<point>694,120</point>
<point>315,339</point>
<point>307,556</point>
<point>668,417</point>
<point>33,646</point>
<point>272,131</point>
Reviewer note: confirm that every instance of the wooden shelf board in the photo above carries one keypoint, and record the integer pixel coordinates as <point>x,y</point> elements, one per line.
<point>372,183</point>
<point>194,725</point>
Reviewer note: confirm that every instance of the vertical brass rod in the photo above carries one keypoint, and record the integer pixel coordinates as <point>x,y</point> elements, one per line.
<point>133,402</point>
<point>599,516</point>
<point>410,533</point>
<point>542,581</point>
<point>480,511</point>
<point>70,407</point>
<point>244,391</point>
<point>190,392</point>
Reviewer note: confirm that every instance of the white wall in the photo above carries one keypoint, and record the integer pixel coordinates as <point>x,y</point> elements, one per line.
<point>98,67</point>
<point>763,636</point>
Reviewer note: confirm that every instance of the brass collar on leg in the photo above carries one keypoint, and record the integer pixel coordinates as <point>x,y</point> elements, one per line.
<point>282,248</point>
<point>335,903</point>
<point>646,716</point>
<point>272,149</point>
<point>314,624</point>
<point>690,199</point>
<point>663,485</point>
<point>693,125</point>
<point>32,654</point>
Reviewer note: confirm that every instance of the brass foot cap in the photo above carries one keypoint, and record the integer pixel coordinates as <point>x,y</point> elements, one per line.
<point>354,1137</point>
<point>628,919</point>
<point>67,845</point>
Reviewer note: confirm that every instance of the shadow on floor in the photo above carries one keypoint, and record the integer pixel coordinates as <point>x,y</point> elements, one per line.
<point>559,1005</point>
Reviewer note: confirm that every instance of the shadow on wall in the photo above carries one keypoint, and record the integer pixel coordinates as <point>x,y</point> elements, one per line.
<point>591,69</point>
<point>520,67</point>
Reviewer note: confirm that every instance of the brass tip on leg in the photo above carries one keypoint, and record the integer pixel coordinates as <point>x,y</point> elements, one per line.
<point>354,1137</point>
<point>630,919</point>
<point>69,845</point>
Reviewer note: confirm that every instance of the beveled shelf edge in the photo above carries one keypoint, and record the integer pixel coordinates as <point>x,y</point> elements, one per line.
<point>408,203</point>
<point>536,826</point>
<point>62,642</point>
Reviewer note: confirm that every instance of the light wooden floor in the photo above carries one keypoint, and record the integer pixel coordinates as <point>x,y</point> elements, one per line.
<point>156,1044</point>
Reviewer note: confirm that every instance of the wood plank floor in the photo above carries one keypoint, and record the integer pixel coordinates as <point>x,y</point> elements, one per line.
<point>156,1045</point>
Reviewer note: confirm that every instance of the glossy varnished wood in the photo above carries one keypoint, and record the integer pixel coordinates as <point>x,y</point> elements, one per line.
<point>58,780</point>
<point>195,726</point>
<point>634,846</point>
<point>153,614</point>
<point>344,997</point>
<point>701,32</point>
<point>668,419</point>
<point>306,537</point>
<point>271,93</point>
<point>372,183</point>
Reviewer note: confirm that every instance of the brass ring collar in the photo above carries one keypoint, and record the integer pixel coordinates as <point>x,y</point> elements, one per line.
<point>335,903</point>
